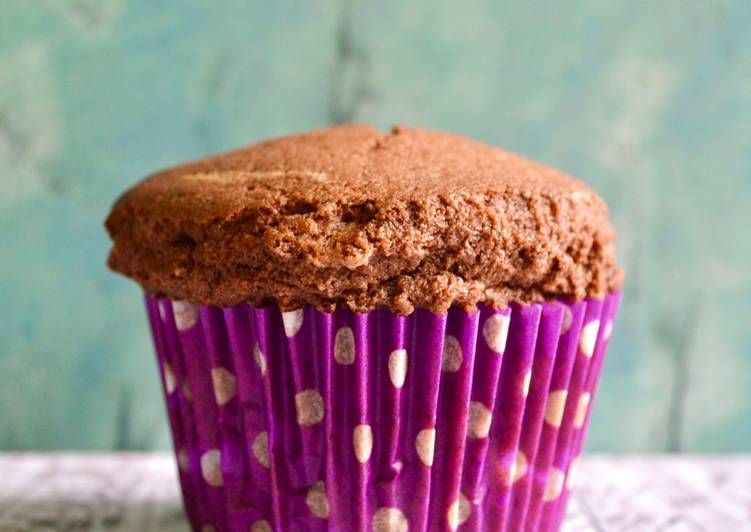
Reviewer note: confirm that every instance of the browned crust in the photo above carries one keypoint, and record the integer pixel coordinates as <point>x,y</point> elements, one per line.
<point>349,217</point>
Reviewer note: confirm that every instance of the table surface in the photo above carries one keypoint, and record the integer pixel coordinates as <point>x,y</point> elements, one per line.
<point>139,491</point>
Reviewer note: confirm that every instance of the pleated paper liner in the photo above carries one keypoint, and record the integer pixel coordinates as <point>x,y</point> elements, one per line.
<point>305,420</point>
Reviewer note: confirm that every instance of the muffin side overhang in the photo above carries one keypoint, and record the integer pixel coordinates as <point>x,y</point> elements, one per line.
<point>281,235</point>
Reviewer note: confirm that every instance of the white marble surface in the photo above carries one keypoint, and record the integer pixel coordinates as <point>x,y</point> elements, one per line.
<point>662,493</point>
<point>126,492</point>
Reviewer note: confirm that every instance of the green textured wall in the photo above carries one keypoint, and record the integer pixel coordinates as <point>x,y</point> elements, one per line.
<point>650,105</point>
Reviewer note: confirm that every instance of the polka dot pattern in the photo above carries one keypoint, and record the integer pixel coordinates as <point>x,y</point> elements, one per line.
<point>186,314</point>
<point>519,467</point>
<point>479,420</point>
<point>389,520</point>
<point>183,462</point>
<point>425,446</point>
<point>362,440</point>
<point>452,354</point>
<point>573,473</point>
<point>344,346</point>
<point>555,406</point>
<point>458,512</point>
<point>317,501</point>
<point>310,409</point>
<point>211,471</point>
<point>588,338</point>
<point>525,384</point>
<point>170,382</point>
<point>398,367</point>
<point>260,448</point>
<point>225,385</point>
<point>261,526</point>
<point>581,409</point>
<point>292,321</point>
<point>259,358</point>
<point>568,318</point>
<point>554,485</point>
<point>608,330</point>
<point>440,391</point>
<point>495,332</point>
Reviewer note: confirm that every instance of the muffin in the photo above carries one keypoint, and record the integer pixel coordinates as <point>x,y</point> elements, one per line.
<point>373,331</point>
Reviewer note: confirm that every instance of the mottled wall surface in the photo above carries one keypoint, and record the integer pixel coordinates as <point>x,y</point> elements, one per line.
<point>649,104</point>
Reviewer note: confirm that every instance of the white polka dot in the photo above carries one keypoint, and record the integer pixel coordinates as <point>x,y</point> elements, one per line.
<point>183,462</point>
<point>478,424</point>
<point>568,317</point>
<point>573,473</point>
<point>459,512</point>
<point>211,470</point>
<point>317,501</point>
<point>310,408</point>
<point>554,486</point>
<point>398,367</point>
<point>519,467</point>
<point>162,311</point>
<point>495,332</point>
<point>344,346</point>
<point>390,520</point>
<point>259,358</point>
<point>292,321</point>
<point>555,406</point>
<point>186,314</point>
<point>608,331</point>
<point>225,385</point>
<point>452,354</point>
<point>525,384</point>
<point>425,446</point>
<point>581,409</point>
<point>260,448</point>
<point>261,526</point>
<point>170,382</point>
<point>362,440</point>
<point>589,337</point>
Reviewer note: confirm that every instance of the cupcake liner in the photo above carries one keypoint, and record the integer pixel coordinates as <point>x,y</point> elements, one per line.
<point>307,420</point>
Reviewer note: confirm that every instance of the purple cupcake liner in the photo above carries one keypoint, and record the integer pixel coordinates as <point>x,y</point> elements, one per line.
<point>307,420</point>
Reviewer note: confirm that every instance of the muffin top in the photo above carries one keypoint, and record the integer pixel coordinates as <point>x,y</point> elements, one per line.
<point>349,217</point>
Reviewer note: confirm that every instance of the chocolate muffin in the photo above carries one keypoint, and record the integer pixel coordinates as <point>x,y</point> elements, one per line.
<point>365,330</point>
<point>347,217</point>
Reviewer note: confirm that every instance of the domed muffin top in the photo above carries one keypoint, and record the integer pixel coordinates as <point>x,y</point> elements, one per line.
<point>353,218</point>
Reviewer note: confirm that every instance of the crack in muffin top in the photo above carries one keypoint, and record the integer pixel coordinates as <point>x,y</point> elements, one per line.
<point>348,217</point>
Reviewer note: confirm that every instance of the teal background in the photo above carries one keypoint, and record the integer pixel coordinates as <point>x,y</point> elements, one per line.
<point>650,104</point>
